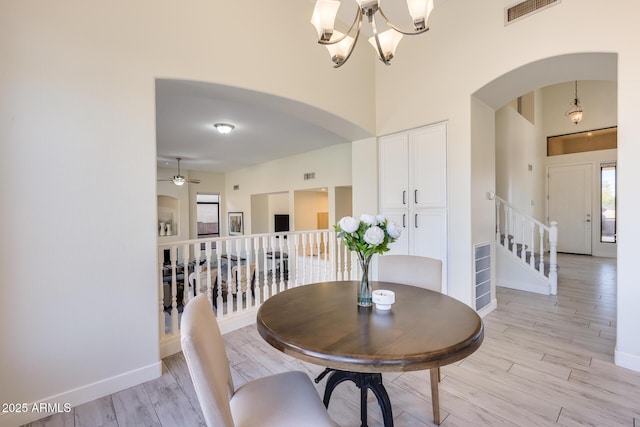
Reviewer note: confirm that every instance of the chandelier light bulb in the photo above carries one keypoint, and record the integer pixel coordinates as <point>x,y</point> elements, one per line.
<point>341,45</point>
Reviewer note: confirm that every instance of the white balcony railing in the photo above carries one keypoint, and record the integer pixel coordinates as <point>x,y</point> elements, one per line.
<point>528,240</point>
<point>239,273</point>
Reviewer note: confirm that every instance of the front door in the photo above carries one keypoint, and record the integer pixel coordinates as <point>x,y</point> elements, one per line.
<point>569,192</point>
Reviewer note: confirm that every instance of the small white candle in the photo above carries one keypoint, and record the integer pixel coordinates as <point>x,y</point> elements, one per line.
<point>383,299</point>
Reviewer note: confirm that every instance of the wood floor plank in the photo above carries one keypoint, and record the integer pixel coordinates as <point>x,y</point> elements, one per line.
<point>133,408</point>
<point>62,419</point>
<point>171,404</point>
<point>97,413</point>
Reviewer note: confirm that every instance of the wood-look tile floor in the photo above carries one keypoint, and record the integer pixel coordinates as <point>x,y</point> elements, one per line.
<point>545,360</point>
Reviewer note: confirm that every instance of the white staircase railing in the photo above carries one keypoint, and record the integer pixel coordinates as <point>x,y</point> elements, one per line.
<point>238,273</point>
<point>528,240</point>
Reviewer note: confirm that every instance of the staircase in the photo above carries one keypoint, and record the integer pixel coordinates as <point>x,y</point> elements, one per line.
<point>527,251</point>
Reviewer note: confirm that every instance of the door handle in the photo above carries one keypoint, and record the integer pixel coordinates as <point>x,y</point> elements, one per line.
<point>415,221</point>
<point>404,220</point>
<point>404,197</point>
<point>588,220</point>
<point>415,196</point>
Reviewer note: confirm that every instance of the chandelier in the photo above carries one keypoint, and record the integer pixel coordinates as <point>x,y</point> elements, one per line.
<point>575,112</point>
<point>341,45</point>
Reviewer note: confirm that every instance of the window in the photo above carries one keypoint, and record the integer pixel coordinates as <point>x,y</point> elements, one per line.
<point>208,215</point>
<point>581,142</point>
<point>608,202</point>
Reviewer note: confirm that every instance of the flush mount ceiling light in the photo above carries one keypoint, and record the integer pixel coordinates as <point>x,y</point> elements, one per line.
<point>575,112</point>
<point>340,46</point>
<point>224,128</point>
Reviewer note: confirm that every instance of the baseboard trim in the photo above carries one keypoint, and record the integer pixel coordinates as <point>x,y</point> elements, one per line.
<point>626,360</point>
<point>78,396</point>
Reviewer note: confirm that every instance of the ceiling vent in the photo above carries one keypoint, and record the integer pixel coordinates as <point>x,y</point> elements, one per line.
<point>525,8</point>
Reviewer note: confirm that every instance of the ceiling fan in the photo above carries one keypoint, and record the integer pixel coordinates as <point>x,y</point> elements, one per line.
<point>179,179</point>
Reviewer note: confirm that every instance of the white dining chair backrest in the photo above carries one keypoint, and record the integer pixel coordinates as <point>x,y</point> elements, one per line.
<point>204,351</point>
<point>287,399</point>
<point>411,270</point>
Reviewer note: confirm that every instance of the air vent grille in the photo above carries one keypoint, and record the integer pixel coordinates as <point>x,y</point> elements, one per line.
<point>482,258</point>
<point>524,8</point>
<point>309,175</point>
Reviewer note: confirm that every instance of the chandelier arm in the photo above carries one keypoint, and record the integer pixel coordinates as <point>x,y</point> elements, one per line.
<point>356,20</point>
<point>406,33</point>
<point>372,19</point>
<point>355,40</point>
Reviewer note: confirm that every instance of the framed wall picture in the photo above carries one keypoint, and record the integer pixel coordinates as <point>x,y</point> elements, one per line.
<point>236,223</point>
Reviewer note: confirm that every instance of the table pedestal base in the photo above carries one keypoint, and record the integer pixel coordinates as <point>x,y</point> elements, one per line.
<point>364,381</point>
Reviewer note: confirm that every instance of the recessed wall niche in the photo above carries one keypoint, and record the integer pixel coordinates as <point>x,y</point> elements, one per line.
<point>168,208</point>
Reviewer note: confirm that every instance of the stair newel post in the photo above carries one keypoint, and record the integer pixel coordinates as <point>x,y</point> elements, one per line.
<point>553,257</point>
<point>532,251</point>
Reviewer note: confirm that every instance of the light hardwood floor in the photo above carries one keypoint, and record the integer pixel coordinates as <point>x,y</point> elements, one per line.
<point>545,360</point>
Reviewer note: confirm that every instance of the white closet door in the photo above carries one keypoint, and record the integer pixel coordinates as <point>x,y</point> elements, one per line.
<point>394,176</point>
<point>428,165</point>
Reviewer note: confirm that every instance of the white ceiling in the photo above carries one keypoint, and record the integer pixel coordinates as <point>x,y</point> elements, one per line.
<point>266,127</point>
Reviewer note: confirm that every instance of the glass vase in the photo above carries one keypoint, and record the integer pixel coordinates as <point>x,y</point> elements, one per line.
<point>364,291</point>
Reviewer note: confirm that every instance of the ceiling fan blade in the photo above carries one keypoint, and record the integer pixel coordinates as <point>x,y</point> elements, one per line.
<point>194,181</point>
<point>162,180</point>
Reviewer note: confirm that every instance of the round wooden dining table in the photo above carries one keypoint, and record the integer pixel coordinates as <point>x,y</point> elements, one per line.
<point>321,323</point>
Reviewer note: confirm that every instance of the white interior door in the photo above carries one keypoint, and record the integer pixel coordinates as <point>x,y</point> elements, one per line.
<point>569,192</point>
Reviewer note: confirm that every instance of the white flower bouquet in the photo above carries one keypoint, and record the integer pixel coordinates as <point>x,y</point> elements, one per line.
<point>370,235</point>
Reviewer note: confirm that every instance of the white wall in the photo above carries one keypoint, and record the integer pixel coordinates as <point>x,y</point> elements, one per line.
<point>332,167</point>
<point>483,168</point>
<point>306,207</point>
<point>365,177</point>
<point>520,143</point>
<point>79,310</point>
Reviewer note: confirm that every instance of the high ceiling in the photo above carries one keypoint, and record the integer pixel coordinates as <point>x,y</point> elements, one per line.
<point>266,127</point>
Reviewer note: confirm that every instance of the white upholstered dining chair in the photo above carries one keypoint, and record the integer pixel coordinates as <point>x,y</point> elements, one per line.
<point>287,399</point>
<point>411,270</point>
